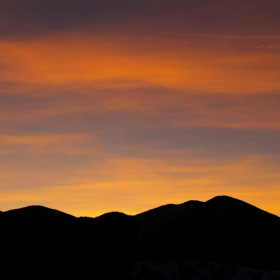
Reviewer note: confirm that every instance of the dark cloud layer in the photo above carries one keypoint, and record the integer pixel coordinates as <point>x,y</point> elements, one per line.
<point>239,17</point>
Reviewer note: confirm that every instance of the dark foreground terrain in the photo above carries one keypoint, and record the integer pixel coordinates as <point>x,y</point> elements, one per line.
<point>223,238</point>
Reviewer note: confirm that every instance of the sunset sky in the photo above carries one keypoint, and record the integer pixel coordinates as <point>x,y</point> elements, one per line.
<point>125,105</point>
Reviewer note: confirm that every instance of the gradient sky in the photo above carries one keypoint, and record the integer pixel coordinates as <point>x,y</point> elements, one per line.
<point>120,105</point>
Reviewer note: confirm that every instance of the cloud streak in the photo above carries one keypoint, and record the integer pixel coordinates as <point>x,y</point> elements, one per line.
<point>80,61</point>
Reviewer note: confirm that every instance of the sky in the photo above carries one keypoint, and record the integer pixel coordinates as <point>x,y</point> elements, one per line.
<point>120,105</point>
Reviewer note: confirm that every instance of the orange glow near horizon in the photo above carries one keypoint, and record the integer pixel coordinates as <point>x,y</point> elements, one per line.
<point>135,185</point>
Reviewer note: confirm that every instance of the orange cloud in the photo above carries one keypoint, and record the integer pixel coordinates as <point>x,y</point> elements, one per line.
<point>80,74</point>
<point>113,62</point>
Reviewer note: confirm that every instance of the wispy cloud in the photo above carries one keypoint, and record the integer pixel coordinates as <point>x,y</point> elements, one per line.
<point>78,61</point>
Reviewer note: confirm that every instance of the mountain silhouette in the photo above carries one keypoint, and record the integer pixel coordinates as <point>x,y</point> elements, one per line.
<point>39,241</point>
<point>222,229</point>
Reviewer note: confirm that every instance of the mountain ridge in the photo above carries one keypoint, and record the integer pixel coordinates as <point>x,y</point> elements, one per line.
<point>221,198</point>
<point>220,230</point>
